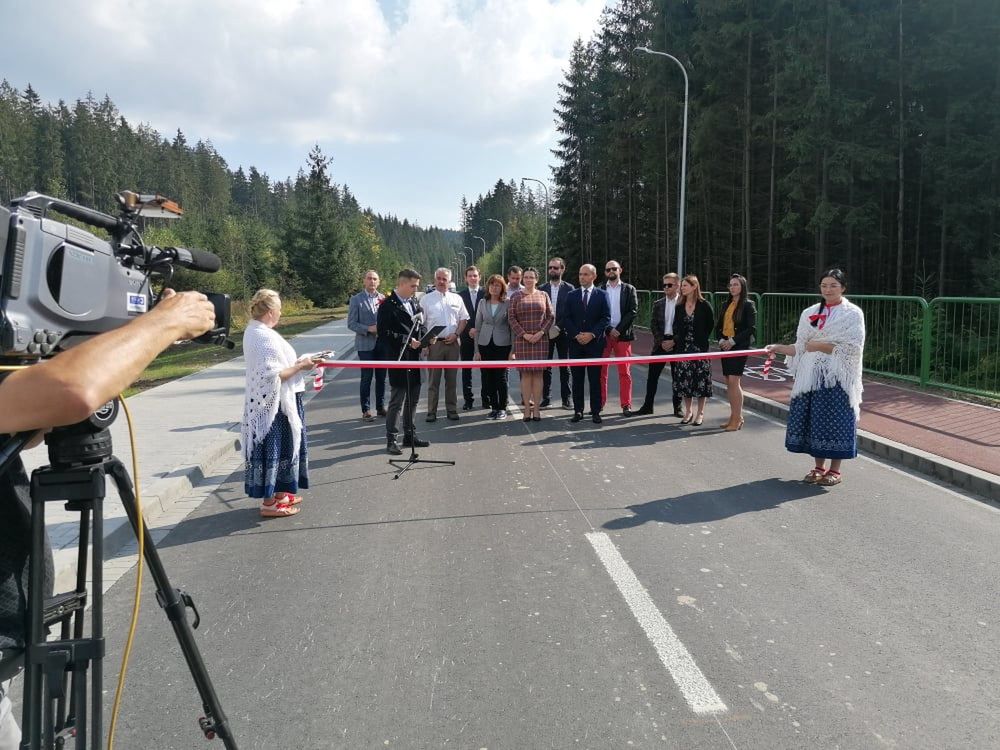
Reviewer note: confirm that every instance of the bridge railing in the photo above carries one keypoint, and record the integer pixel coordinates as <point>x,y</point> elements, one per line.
<point>949,342</point>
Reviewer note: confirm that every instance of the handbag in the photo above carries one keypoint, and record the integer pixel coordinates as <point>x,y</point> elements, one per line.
<point>554,331</point>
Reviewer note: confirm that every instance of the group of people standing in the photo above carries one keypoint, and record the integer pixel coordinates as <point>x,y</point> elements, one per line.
<point>534,322</point>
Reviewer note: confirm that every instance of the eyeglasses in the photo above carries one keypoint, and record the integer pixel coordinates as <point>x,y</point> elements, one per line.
<point>669,286</point>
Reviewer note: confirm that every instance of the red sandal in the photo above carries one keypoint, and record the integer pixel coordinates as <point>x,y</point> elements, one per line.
<point>292,499</point>
<point>277,508</point>
<point>830,478</point>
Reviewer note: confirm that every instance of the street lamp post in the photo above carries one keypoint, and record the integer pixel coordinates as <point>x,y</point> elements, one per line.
<point>472,253</point>
<point>465,258</point>
<point>503,261</point>
<point>477,237</point>
<point>546,189</point>
<point>684,140</point>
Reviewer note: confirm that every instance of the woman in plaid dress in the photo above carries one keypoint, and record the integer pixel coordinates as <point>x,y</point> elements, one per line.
<point>530,317</point>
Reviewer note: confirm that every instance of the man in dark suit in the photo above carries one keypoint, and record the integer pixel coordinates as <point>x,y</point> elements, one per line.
<point>558,291</point>
<point>585,319</point>
<point>662,327</point>
<point>470,296</point>
<point>624,302</point>
<point>397,334</point>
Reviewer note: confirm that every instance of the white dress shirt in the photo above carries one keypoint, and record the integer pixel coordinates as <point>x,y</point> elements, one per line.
<point>554,292</point>
<point>615,301</point>
<point>669,308</point>
<point>443,310</point>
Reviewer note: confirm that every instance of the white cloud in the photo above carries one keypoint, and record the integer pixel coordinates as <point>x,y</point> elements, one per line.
<point>418,101</point>
<point>313,70</point>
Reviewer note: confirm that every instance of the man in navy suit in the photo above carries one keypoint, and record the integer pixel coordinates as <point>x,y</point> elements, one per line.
<point>586,317</point>
<point>470,297</point>
<point>558,290</point>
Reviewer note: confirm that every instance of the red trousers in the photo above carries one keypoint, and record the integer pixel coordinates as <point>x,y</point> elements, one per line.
<point>618,348</point>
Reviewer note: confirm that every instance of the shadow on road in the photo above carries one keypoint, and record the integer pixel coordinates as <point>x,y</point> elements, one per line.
<point>714,505</point>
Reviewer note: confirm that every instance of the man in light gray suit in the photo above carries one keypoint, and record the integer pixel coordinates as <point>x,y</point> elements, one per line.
<point>361,316</point>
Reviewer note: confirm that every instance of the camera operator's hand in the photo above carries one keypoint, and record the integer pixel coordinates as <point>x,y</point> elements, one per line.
<point>189,313</point>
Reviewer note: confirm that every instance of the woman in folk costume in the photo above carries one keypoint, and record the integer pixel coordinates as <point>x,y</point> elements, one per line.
<point>273,431</point>
<point>826,396</point>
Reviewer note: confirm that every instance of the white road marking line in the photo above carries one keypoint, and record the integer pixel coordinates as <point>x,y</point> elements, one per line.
<point>695,688</point>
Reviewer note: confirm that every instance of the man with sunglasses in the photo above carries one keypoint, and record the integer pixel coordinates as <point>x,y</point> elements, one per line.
<point>624,302</point>
<point>662,327</point>
<point>558,291</point>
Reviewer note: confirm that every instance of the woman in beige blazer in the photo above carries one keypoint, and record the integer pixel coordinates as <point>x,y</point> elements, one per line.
<point>493,342</point>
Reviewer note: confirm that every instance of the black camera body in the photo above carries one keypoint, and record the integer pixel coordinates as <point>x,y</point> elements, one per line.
<point>60,284</point>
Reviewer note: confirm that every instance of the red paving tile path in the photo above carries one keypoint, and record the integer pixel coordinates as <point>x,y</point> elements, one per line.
<point>957,430</point>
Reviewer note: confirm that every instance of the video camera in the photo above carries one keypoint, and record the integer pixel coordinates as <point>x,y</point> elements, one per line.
<point>60,284</point>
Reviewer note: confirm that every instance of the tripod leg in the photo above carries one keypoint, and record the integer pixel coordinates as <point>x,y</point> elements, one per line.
<point>68,717</point>
<point>175,603</point>
<point>32,713</point>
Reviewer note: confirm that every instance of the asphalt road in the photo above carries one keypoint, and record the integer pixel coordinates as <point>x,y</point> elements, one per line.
<point>638,584</point>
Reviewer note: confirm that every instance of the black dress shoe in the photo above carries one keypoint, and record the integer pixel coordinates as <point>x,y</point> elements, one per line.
<point>414,442</point>
<point>380,412</point>
<point>431,418</point>
<point>545,402</point>
<point>597,419</point>
<point>643,411</point>
<point>567,405</point>
<point>393,449</point>
<point>578,417</point>
<point>679,413</point>
<point>468,406</point>
<point>627,411</point>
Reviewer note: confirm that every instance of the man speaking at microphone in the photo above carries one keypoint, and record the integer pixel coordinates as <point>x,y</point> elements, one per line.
<point>398,332</point>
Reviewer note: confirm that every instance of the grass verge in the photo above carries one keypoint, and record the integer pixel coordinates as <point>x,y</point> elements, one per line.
<point>185,359</point>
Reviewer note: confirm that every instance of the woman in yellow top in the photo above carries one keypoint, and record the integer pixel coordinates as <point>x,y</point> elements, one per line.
<point>735,329</point>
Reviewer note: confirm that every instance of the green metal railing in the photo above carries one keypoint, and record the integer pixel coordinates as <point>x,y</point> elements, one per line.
<point>949,342</point>
<point>962,345</point>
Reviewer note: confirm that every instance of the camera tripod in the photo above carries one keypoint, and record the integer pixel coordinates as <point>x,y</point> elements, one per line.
<point>55,672</point>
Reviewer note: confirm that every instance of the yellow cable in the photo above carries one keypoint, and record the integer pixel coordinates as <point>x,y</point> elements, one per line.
<point>138,581</point>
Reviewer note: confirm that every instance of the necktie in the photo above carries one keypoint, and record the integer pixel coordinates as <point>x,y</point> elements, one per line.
<point>586,298</point>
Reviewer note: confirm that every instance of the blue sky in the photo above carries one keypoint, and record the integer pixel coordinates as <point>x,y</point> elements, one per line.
<point>418,102</point>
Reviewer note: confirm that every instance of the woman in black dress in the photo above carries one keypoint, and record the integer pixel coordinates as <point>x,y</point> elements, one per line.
<point>693,324</point>
<point>735,329</point>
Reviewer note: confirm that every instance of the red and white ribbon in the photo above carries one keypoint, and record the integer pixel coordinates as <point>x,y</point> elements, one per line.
<point>537,363</point>
<point>767,365</point>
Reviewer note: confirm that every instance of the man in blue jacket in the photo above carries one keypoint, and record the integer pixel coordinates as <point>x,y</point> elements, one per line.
<point>586,317</point>
<point>361,316</point>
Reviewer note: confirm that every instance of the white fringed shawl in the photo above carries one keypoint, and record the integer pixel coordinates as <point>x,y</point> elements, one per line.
<point>814,370</point>
<point>266,354</point>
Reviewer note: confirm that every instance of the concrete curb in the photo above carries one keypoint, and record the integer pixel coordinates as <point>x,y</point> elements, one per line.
<point>161,496</point>
<point>966,478</point>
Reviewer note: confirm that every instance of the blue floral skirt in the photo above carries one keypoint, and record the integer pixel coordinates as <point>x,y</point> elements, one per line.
<point>271,468</point>
<point>822,424</point>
